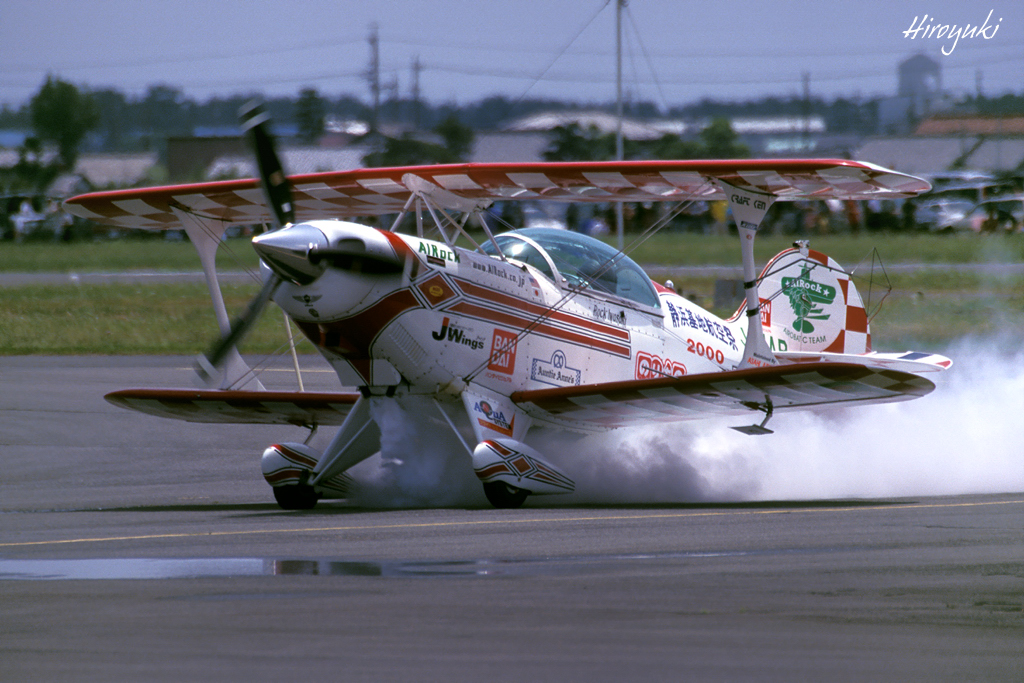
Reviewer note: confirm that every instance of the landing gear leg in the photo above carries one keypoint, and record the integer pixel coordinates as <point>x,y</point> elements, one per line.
<point>504,496</point>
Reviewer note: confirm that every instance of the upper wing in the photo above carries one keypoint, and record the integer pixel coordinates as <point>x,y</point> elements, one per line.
<point>246,407</point>
<point>375,191</point>
<point>691,397</point>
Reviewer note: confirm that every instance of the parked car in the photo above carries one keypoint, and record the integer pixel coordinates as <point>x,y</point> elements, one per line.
<point>998,214</point>
<point>941,213</point>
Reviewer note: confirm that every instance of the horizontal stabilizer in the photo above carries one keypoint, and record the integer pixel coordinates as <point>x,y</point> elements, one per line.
<point>239,407</point>
<point>908,361</point>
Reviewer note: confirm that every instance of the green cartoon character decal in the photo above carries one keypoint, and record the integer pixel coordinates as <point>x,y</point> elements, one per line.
<point>807,297</point>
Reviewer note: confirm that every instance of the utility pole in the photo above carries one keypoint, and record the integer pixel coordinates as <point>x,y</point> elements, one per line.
<point>619,153</point>
<point>373,75</point>
<point>807,111</point>
<point>417,67</point>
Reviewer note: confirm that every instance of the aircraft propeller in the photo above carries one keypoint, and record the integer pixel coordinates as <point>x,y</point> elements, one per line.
<point>278,194</point>
<point>296,253</point>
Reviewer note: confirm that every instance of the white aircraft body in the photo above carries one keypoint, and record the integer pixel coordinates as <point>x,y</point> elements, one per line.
<point>525,329</point>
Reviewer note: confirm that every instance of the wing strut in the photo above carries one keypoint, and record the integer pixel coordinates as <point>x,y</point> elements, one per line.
<point>206,236</point>
<point>748,210</point>
<point>434,196</point>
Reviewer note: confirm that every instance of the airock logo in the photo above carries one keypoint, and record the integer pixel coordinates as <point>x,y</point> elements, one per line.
<point>807,298</point>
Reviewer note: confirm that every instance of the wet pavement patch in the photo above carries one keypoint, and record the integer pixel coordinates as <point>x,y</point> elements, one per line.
<point>193,568</point>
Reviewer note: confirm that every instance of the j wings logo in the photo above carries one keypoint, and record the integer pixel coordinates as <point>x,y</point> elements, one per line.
<point>457,334</point>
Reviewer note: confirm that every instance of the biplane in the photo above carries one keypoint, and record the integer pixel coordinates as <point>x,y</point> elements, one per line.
<point>508,332</point>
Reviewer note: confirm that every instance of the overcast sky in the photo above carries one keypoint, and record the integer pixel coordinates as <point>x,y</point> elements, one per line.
<point>676,52</point>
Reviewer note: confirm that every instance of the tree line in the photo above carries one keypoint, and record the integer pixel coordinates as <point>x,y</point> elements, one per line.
<point>73,120</point>
<point>126,123</point>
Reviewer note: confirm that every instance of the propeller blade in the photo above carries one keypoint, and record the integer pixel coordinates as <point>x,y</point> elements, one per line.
<point>276,188</point>
<point>277,191</point>
<point>207,364</point>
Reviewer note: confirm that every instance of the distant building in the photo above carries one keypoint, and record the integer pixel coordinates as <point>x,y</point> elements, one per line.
<point>952,142</point>
<point>509,147</point>
<point>779,136</point>
<point>296,160</point>
<point>970,124</point>
<point>918,95</point>
<point>605,123</point>
<point>920,80</point>
<point>189,157</point>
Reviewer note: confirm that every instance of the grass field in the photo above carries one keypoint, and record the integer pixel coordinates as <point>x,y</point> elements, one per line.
<point>925,308</point>
<point>682,249</point>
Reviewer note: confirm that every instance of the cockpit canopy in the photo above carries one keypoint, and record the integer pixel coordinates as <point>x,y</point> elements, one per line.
<point>584,262</point>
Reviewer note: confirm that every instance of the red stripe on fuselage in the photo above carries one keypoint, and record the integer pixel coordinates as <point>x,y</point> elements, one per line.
<point>492,296</point>
<point>518,322</point>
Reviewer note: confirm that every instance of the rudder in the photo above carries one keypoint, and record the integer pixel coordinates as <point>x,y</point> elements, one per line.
<point>809,303</point>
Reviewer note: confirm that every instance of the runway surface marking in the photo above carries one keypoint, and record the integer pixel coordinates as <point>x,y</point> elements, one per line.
<point>489,522</point>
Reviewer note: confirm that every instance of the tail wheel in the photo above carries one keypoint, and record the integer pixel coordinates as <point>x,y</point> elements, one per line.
<point>504,496</point>
<point>296,497</point>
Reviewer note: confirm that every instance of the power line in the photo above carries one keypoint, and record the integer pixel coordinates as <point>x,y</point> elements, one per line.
<point>650,64</point>
<point>190,59</point>
<point>561,52</point>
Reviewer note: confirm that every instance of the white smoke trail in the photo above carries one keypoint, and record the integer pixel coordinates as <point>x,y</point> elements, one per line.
<point>422,463</point>
<point>963,438</point>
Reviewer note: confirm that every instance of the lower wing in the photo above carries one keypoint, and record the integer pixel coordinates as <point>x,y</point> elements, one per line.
<point>239,407</point>
<point>735,392</point>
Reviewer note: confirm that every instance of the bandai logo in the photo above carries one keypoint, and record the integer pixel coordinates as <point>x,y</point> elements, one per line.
<point>503,352</point>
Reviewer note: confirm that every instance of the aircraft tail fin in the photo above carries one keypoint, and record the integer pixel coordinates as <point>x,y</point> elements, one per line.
<point>809,303</point>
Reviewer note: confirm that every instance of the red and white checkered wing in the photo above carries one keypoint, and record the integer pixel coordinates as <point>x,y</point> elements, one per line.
<point>376,191</point>
<point>736,392</point>
<point>239,407</point>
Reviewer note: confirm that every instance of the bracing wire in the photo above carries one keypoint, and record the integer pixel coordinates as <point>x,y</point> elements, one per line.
<point>647,58</point>
<point>561,53</point>
<point>577,289</point>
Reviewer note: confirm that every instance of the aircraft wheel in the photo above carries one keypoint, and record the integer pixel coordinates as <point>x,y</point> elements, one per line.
<point>296,497</point>
<point>503,496</point>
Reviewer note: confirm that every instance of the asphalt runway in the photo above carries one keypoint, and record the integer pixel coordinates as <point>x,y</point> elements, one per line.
<point>133,548</point>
